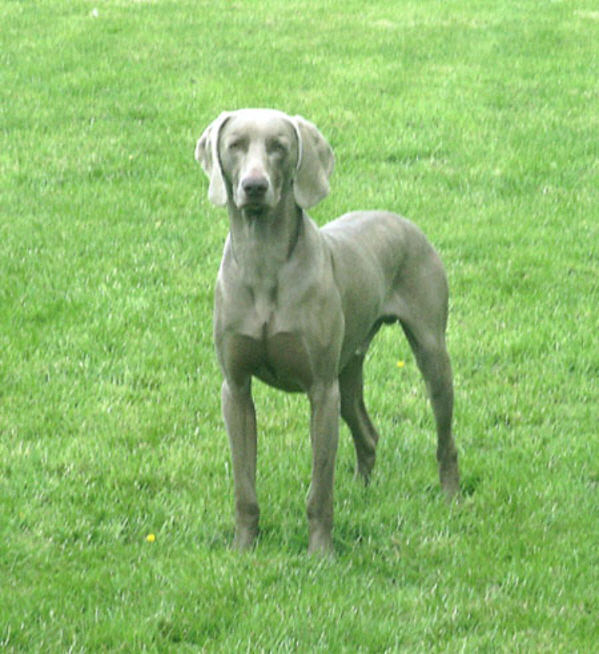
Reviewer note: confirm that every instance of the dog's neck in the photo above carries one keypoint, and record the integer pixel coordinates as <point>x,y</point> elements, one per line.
<point>262,242</point>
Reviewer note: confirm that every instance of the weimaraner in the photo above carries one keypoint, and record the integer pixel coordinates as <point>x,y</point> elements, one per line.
<point>297,306</point>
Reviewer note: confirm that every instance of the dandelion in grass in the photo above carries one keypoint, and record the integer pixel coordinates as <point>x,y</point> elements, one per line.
<point>401,364</point>
<point>151,538</point>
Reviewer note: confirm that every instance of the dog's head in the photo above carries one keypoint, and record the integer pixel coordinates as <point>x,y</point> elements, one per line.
<point>251,156</point>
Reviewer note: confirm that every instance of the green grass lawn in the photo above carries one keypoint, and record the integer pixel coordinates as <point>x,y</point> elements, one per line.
<point>480,122</point>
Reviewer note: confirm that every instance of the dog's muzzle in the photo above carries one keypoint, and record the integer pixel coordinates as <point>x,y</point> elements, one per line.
<point>254,192</point>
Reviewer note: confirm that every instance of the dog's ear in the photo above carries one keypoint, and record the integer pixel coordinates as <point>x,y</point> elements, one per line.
<point>206,155</point>
<point>315,164</point>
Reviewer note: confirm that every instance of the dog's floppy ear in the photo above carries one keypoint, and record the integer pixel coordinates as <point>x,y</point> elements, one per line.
<point>315,164</point>
<point>206,154</point>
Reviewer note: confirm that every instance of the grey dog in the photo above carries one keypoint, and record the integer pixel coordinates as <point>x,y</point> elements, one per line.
<point>297,306</point>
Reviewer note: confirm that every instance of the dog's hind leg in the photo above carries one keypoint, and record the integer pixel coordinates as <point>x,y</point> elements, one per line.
<point>434,363</point>
<point>353,412</point>
<point>420,303</point>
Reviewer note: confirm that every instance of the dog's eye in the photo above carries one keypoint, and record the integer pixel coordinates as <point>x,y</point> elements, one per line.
<point>236,145</point>
<point>278,148</point>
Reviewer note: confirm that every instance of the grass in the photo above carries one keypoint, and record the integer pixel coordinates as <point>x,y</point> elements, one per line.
<point>476,120</point>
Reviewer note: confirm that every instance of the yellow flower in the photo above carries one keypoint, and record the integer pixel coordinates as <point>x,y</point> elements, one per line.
<point>401,364</point>
<point>150,538</point>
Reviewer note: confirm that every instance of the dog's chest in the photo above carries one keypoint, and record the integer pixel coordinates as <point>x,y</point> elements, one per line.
<point>262,334</point>
<point>265,305</point>
<point>264,300</point>
<point>272,312</point>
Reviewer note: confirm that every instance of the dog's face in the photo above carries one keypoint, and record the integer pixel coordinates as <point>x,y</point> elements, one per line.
<point>258,154</point>
<point>254,156</point>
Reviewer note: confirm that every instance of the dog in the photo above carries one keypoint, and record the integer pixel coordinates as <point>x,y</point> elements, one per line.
<point>297,306</point>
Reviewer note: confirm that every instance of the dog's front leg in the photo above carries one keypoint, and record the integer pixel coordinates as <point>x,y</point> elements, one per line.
<point>240,420</point>
<point>324,435</point>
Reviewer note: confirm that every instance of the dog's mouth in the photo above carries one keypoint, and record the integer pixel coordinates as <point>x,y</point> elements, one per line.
<point>255,210</point>
<point>254,206</point>
<point>251,202</point>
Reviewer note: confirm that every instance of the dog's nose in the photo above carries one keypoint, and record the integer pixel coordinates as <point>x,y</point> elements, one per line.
<point>254,186</point>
